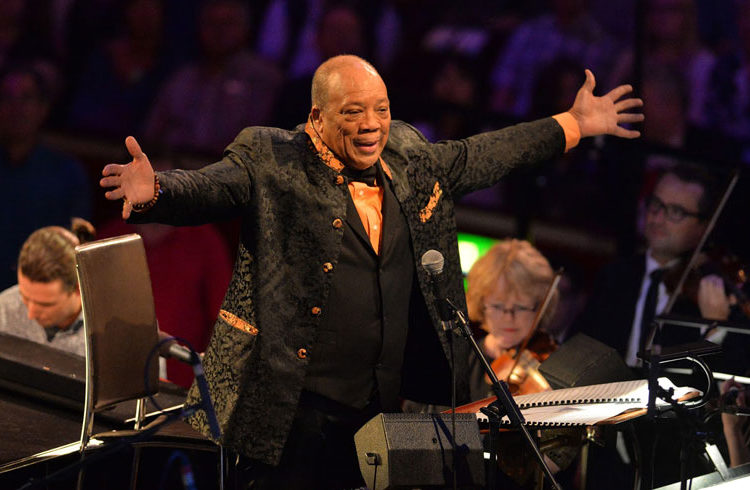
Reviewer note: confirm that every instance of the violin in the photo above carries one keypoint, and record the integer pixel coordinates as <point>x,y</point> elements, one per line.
<point>686,277</point>
<point>721,263</point>
<point>523,376</point>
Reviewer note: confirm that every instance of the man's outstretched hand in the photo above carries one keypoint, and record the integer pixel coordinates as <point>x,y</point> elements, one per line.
<point>605,114</point>
<point>132,182</point>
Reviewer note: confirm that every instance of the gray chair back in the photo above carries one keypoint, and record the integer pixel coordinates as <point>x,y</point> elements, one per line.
<point>119,318</point>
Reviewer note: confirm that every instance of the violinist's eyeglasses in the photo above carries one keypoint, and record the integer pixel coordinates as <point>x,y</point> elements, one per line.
<point>673,212</point>
<point>515,310</point>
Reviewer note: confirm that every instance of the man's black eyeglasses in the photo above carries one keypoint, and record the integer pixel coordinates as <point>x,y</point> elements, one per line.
<point>673,212</point>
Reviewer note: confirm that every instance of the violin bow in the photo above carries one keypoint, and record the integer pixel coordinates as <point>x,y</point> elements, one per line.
<point>702,242</point>
<point>537,319</point>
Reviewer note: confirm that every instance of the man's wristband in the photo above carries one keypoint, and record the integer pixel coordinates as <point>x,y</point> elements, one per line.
<point>139,208</point>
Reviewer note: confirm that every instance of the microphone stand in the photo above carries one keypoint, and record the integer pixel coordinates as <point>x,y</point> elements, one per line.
<point>503,406</point>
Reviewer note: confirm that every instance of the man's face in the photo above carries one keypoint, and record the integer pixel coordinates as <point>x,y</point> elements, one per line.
<point>48,302</point>
<point>356,119</point>
<point>669,238</point>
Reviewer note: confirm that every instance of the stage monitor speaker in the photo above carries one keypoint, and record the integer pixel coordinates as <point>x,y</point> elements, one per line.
<point>414,450</point>
<point>583,361</point>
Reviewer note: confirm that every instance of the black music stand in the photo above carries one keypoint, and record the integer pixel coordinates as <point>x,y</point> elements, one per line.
<point>656,357</point>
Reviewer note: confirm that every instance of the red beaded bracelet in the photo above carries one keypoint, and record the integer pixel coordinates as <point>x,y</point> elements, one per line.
<point>139,208</point>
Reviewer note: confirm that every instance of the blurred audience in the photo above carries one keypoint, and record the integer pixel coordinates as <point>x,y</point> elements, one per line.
<point>287,34</point>
<point>340,31</point>
<point>450,106</point>
<point>668,128</point>
<point>290,32</point>
<point>671,42</point>
<point>82,25</point>
<point>568,30</point>
<point>205,104</point>
<point>120,80</point>
<point>39,186</point>
<point>727,105</point>
<point>21,35</point>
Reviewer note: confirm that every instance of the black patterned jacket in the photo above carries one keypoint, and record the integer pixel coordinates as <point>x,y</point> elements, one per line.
<point>292,205</point>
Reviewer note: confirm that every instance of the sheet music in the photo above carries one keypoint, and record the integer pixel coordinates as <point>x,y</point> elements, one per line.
<point>622,392</point>
<point>565,415</point>
<point>588,405</point>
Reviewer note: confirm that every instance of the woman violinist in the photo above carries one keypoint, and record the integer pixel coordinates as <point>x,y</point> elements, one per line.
<point>506,287</point>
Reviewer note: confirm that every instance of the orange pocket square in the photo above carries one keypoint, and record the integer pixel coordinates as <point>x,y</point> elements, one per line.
<point>237,322</point>
<point>426,213</point>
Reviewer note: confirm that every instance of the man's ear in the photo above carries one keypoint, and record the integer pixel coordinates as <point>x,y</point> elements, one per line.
<point>315,117</point>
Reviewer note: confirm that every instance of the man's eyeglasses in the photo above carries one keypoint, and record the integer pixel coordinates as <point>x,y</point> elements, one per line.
<point>673,212</point>
<point>514,310</point>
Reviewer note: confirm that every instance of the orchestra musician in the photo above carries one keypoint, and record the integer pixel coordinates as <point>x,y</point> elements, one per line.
<point>327,320</point>
<point>630,292</point>
<point>45,305</point>
<point>506,288</point>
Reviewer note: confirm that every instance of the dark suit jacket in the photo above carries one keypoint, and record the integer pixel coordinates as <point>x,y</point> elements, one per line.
<point>292,205</point>
<point>608,316</point>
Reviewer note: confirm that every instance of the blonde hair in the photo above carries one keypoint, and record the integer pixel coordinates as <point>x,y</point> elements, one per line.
<point>524,268</point>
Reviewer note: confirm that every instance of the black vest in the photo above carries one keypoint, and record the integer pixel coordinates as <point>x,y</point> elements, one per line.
<point>361,338</point>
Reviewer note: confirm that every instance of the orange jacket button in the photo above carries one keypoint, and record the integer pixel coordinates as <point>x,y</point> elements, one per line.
<point>302,353</point>
<point>315,310</point>
<point>327,267</point>
<point>339,179</point>
<point>337,223</point>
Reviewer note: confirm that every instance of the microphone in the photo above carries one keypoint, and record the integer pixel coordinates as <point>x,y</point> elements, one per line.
<point>170,349</point>
<point>178,352</point>
<point>432,263</point>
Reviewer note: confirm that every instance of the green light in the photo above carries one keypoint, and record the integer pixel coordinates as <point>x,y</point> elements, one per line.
<point>470,248</point>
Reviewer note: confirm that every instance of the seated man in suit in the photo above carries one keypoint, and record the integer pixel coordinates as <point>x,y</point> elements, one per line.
<point>631,292</point>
